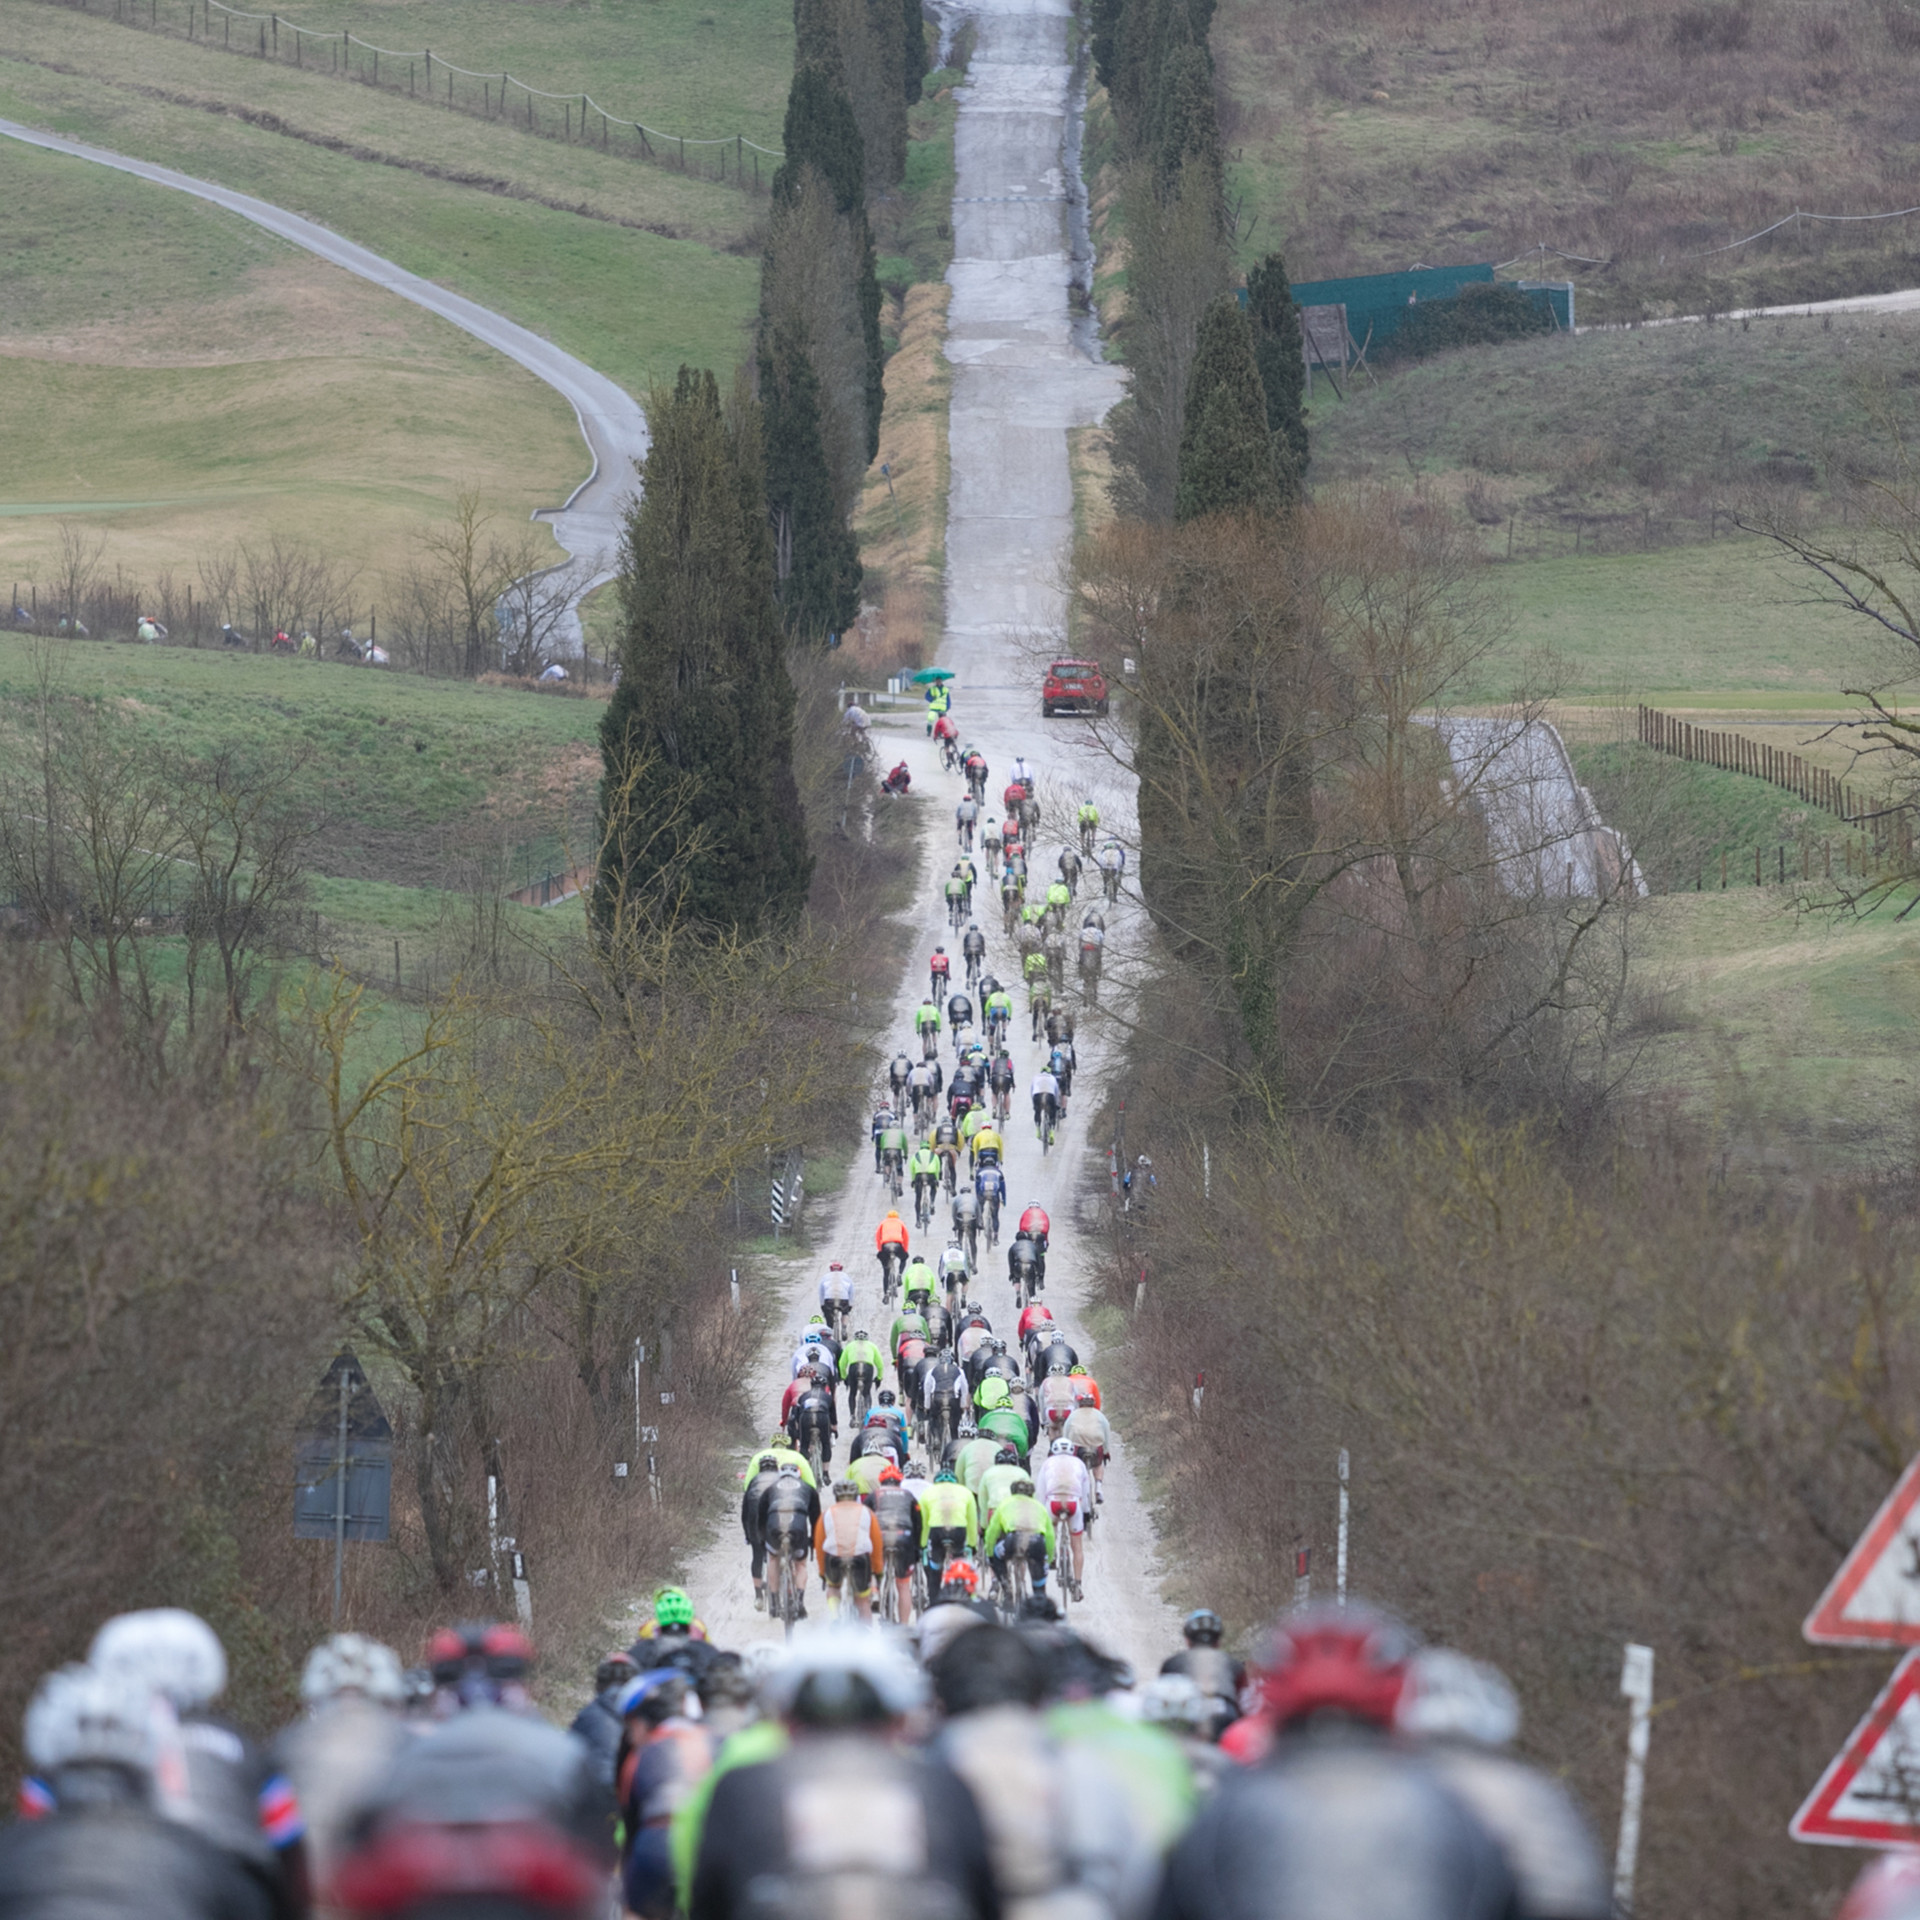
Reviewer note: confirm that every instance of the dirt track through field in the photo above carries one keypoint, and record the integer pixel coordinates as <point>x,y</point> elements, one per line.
<point>1021,379</point>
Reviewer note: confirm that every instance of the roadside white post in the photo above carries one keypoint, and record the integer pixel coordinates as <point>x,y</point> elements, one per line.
<point>733,1285</point>
<point>1340,1553</point>
<point>1206,1171</point>
<point>1636,1682</point>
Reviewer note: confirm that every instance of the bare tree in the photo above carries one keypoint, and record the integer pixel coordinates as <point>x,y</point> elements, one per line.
<point>477,570</point>
<point>536,612</point>
<point>78,553</point>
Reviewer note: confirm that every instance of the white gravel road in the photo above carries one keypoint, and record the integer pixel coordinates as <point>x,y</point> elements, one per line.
<point>588,523</point>
<point>1020,381</point>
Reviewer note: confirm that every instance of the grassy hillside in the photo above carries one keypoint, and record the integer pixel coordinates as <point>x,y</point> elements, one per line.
<point>630,266</point>
<point>1375,136</point>
<point>173,379</point>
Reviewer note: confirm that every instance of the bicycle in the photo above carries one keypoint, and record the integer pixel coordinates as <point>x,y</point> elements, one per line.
<point>859,1394</point>
<point>891,1261</point>
<point>925,1186</point>
<point>1110,880</point>
<point>1045,1121</point>
<point>893,1167</point>
<point>929,1042</point>
<point>839,1317</point>
<point>1016,1575</point>
<point>990,1209</point>
<point>1063,1512</point>
<point>784,1597</point>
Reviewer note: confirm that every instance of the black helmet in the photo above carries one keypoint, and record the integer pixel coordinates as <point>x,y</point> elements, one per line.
<point>1203,1628</point>
<point>1008,1456</point>
<point>886,1396</point>
<point>859,1333</point>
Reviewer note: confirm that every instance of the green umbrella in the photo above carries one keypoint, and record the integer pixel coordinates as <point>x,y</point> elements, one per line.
<point>925,674</point>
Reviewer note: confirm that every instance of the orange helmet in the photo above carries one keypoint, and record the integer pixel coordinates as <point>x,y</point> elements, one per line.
<point>961,1573</point>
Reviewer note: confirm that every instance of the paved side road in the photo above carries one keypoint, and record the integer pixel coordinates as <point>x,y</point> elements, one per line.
<point>588,523</point>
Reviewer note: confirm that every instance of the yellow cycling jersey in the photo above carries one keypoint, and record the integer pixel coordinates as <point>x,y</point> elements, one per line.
<point>986,1137</point>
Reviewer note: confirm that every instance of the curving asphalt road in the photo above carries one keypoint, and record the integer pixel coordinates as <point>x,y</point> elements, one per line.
<point>588,523</point>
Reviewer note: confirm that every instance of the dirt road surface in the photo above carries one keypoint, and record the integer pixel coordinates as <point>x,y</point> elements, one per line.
<point>1021,379</point>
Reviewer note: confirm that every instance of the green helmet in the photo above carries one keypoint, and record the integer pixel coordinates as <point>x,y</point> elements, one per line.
<point>673,1607</point>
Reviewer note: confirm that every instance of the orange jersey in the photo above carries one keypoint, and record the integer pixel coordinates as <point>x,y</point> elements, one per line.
<point>846,1530</point>
<point>892,1230</point>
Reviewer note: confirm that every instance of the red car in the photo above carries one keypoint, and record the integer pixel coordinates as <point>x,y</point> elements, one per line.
<point>1073,686</point>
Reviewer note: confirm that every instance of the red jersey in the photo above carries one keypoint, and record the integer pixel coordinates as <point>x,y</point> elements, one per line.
<point>1013,796</point>
<point>1032,1316</point>
<point>944,729</point>
<point>1035,1222</point>
<point>939,966</point>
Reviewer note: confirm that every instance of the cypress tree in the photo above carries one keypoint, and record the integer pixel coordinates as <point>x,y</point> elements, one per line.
<point>1279,353</point>
<point>1226,453</point>
<point>816,558</point>
<point>1105,18</point>
<point>1185,128</point>
<point>913,48</point>
<point>699,797</point>
<point>821,132</point>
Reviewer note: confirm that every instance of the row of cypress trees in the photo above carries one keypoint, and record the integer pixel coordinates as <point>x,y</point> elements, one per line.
<point>858,66</point>
<point>1213,421</point>
<point>742,541</point>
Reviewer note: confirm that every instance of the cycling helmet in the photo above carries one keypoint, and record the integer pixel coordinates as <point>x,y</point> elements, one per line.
<point>963,1574</point>
<point>1007,1456</point>
<point>351,1663</point>
<point>779,1440</point>
<point>834,1266</point>
<point>82,1717</point>
<point>1452,1697</point>
<point>1061,1447</point>
<point>673,1607</point>
<point>1203,1628</point>
<point>846,1676</point>
<point>1022,1486</point>
<point>1348,1660</point>
<point>166,1649</point>
<point>1076,1368</point>
<point>654,1696</point>
<point>859,1333</point>
<point>1173,1701</point>
<point>1059,1367</point>
<point>946,1473</point>
<point>943,949</point>
<point>889,1475</point>
<point>619,1665</point>
<point>1083,1399</point>
<point>886,1397</point>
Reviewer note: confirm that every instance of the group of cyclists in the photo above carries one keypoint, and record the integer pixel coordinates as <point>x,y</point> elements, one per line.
<point>972,1768</point>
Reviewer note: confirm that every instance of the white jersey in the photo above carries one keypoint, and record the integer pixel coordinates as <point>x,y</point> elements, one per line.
<point>1064,1476</point>
<point>1114,859</point>
<point>990,833</point>
<point>810,1354</point>
<point>836,1286</point>
<point>1043,1084</point>
<point>970,1338</point>
<point>953,1261</point>
<point>967,811</point>
<point>1087,1427</point>
<point>1022,772</point>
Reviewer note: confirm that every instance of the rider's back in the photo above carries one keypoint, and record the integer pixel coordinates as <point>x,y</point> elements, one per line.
<point>121,1862</point>
<point>1335,1824</point>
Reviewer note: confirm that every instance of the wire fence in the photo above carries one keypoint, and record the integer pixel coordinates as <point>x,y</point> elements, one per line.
<point>421,74</point>
<point>1541,250</point>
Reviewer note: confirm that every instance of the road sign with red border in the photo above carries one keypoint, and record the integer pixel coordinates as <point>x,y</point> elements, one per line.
<point>1874,1600</point>
<point>1870,1795</point>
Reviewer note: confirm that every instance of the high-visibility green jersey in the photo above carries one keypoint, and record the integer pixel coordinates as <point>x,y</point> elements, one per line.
<point>948,1504</point>
<point>1019,1513</point>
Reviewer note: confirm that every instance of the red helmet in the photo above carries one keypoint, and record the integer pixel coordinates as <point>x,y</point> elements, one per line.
<point>1336,1660</point>
<point>889,1475</point>
<point>961,1573</point>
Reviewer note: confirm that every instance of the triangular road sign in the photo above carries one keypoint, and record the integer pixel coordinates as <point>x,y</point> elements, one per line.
<point>1870,1795</point>
<point>1874,1600</point>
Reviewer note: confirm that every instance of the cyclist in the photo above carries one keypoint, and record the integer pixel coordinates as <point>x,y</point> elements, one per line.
<point>943,1391</point>
<point>847,1546</point>
<point>998,1008</point>
<point>898,1514</point>
<point>995,1480</point>
<point>917,1284</point>
<point>1012,892</point>
<point>971,1122</point>
<point>882,1119</point>
<point>959,1014</point>
<point>989,1183</point>
<point>990,844</point>
<point>955,892</point>
<point>924,1171</point>
<point>1067,1488</point>
<point>1069,864</point>
<point>1022,771</point>
<point>1217,1674</point>
<point>1088,819</point>
<point>949,1524</point>
<point>964,816</point>
<point>1007,1423</point>
<point>1084,1382</point>
<point>973,947</point>
<point>781,1495</point>
<point>966,1220</point>
<point>920,1090</point>
<point>975,764</point>
<point>1059,899</point>
<point>1021,1524</point>
<point>889,1416</point>
<point>973,1457</point>
<point>926,1023</point>
<point>861,1364</point>
<point>1087,1428</point>
<point>836,1295</point>
<point>1113,867</point>
<point>954,1269</point>
<point>985,1149</point>
<point>1023,1267</point>
<point>891,1247</point>
<point>1039,995</point>
<point>1038,1228</point>
<point>1093,952</point>
<point>946,1149</point>
<point>939,973</point>
<point>812,1425</point>
<point>1058,1398</point>
<point>891,1152</point>
<point>1045,1091</point>
<point>897,1070</point>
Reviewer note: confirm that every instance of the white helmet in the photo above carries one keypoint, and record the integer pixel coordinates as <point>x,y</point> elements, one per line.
<point>1061,1446</point>
<point>1451,1696</point>
<point>83,1717</point>
<point>167,1649</point>
<point>352,1663</point>
<point>1172,1700</point>
<point>846,1672</point>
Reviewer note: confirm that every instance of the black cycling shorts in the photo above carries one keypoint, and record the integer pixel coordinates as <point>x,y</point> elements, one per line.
<point>944,1544</point>
<point>856,1572</point>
